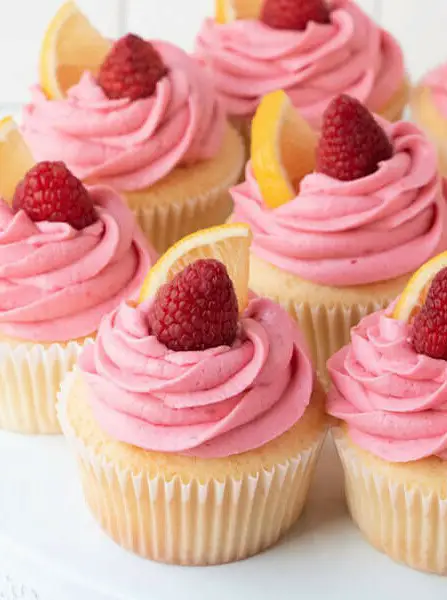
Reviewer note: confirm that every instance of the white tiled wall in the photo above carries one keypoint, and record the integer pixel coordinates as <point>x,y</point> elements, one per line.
<point>419,25</point>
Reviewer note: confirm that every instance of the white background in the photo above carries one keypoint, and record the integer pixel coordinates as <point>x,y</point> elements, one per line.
<point>419,25</point>
<point>50,543</point>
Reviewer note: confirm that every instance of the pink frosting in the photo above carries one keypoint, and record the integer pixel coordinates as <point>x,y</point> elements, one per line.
<point>130,145</point>
<point>350,55</point>
<point>56,282</point>
<point>214,403</point>
<point>393,400</point>
<point>357,232</point>
<point>436,80</point>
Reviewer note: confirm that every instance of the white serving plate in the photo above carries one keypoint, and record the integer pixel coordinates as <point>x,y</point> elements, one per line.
<point>51,548</point>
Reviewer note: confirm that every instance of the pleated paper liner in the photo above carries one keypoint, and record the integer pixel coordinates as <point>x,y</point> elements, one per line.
<point>191,197</point>
<point>30,378</point>
<point>327,329</point>
<point>325,314</point>
<point>165,224</point>
<point>399,512</point>
<point>195,520</point>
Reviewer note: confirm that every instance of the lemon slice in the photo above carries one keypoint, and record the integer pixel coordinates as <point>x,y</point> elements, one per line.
<point>415,293</point>
<point>282,149</point>
<point>230,244</point>
<point>230,10</point>
<point>70,46</point>
<point>15,158</point>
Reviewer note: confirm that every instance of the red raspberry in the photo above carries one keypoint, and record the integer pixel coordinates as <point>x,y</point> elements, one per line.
<point>132,69</point>
<point>294,14</point>
<point>197,309</point>
<point>352,143</point>
<point>50,192</point>
<point>429,329</point>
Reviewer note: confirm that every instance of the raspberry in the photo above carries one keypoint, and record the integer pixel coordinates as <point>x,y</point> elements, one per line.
<point>197,309</point>
<point>352,143</point>
<point>429,329</point>
<point>132,69</point>
<point>294,14</point>
<point>50,192</point>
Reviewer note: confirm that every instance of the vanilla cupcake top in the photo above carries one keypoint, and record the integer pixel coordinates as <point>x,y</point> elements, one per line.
<point>151,109</point>
<point>183,373</point>
<point>333,48</point>
<point>390,383</point>
<point>68,255</point>
<point>374,208</point>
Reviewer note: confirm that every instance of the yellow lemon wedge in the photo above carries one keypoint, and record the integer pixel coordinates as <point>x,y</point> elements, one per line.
<point>230,10</point>
<point>283,149</point>
<point>230,244</point>
<point>15,158</point>
<point>415,293</point>
<point>71,45</point>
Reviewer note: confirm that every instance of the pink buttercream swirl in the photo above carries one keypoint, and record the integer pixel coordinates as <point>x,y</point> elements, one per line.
<point>56,282</point>
<point>130,145</point>
<point>393,400</point>
<point>349,55</point>
<point>356,232</point>
<point>436,80</point>
<point>214,403</point>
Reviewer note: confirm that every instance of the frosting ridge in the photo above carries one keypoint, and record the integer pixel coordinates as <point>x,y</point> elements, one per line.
<point>130,145</point>
<point>349,55</point>
<point>56,282</point>
<point>209,404</point>
<point>393,400</point>
<point>355,232</point>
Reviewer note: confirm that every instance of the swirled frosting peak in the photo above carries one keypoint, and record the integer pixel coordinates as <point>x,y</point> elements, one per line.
<point>349,55</point>
<point>57,282</point>
<point>393,400</point>
<point>210,403</point>
<point>127,144</point>
<point>355,232</point>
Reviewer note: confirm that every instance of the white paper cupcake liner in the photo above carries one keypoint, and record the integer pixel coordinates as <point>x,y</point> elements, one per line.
<point>30,378</point>
<point>165,223</point>
<point>401,520</point>
<point>192,523</point>
<point>327,329</point>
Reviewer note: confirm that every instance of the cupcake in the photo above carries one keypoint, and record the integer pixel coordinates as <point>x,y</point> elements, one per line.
<point>429,110</point>
<point>313,50</point>
<point>344,242</point>
<point>68,255</point>
<point>388,395</point>
<point>196,429</point>
<point>148,123</point>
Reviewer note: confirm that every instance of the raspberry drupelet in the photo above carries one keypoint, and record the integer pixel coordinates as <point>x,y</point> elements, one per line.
<point>352,143</point>
<point>294,15</point>
<point>50,192</point>
<point>429,328</point>
<point>197,310</point>
<point>132,69</point>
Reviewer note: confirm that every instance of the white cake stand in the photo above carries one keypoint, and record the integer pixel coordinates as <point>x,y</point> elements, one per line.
<point>51,549</point>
